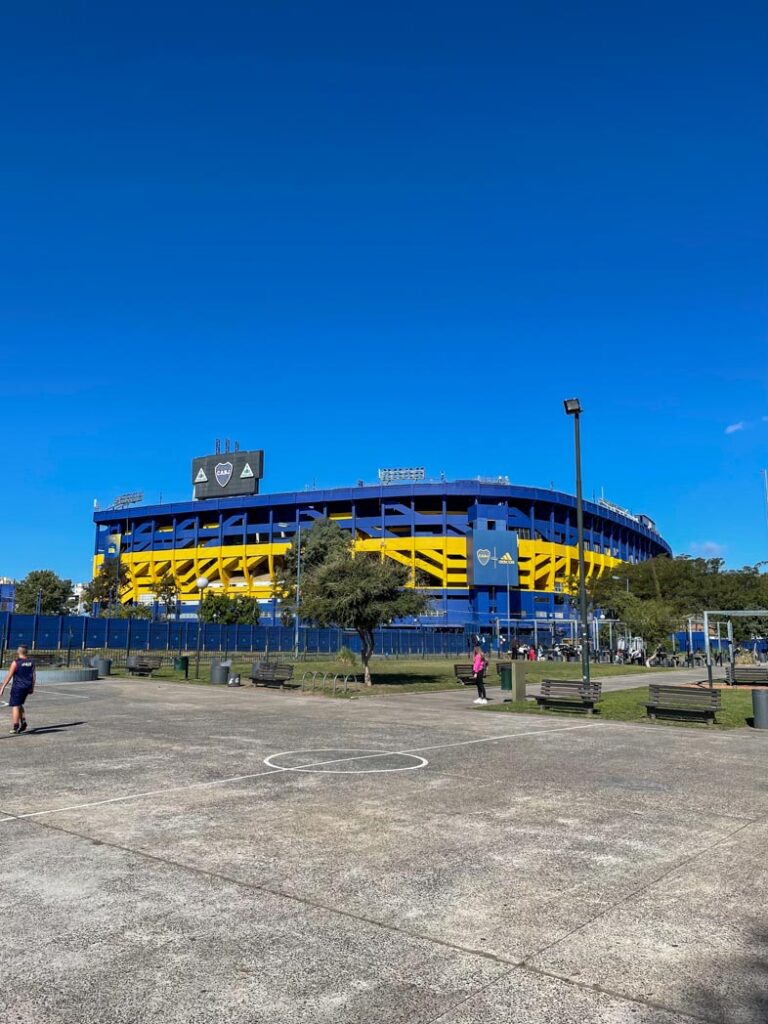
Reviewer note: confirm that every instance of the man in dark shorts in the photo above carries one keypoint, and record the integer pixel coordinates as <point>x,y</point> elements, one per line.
<point>21,675</point>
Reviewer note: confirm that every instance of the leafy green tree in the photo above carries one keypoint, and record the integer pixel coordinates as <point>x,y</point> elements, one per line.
<point>353,591</point>
<point>55,594</point>
<point>684,586</point>
<point>230,611</point>
<point>105,588</point>
<point>128,611</point>
<point>167,591</point>
<point>319,542</point>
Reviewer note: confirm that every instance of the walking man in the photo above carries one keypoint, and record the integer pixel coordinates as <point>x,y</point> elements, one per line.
<point>21,675</point>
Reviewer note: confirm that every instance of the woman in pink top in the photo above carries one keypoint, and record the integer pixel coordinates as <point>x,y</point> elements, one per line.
<point>478,670</point>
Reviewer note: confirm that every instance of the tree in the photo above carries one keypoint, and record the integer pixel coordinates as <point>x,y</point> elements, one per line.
<point>353,591</point>
<point>55,594</point>
<point>319,543</point>
<point>129,611</point>
<point>105,588</point>
<point>167,591</point>
<point>230,611</point>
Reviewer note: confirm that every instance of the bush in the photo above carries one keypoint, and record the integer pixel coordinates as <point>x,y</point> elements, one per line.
<point>347,657</point>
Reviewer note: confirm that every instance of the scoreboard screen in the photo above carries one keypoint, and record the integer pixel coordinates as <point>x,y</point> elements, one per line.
<point>227,475</point>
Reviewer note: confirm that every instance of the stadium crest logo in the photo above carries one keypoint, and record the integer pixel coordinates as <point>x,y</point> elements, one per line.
<point>223,473</point>
<point>483,555</point>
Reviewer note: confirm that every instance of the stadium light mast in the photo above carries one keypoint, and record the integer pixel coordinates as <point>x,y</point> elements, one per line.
<point>201,583</point>
<point>573,408</point>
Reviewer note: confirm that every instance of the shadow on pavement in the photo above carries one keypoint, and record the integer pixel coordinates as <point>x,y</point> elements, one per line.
<point>44,730</point>
<point>743,996</point>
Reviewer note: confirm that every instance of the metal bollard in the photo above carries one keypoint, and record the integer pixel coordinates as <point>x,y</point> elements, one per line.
<point>760,708</point>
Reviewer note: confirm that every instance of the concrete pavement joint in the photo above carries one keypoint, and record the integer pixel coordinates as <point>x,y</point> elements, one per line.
<point>313,904</point>
<point>636,892</point>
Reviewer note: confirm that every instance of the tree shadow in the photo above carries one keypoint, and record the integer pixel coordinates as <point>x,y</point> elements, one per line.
<point>741,997</point>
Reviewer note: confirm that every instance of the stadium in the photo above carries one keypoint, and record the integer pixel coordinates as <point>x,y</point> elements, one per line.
<point>487,551</point>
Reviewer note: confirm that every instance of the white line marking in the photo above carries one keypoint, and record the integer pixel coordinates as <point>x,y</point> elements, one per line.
<point>138,796</point>
<point>490,739</point>
<point>275,771</point>
<point>421,762</point>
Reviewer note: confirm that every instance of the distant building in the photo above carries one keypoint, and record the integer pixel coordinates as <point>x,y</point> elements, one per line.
<point>7,594</point>
<point>485,550</point>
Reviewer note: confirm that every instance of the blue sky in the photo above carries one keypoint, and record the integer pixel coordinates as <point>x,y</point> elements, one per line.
<point>365,235</point>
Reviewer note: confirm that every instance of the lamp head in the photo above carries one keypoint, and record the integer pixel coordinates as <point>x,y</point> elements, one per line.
<point>572,406</point>
<point>201,582</point>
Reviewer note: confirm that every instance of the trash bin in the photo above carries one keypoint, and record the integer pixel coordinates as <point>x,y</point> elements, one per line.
<point>103,666</point>
<point>505,671</point>
<point>760,708</point>
<point>181,664</point>
<point>219,673</point>
<point>234,681</point>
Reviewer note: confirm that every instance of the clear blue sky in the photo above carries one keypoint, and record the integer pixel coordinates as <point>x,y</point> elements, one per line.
<point>365,235</point>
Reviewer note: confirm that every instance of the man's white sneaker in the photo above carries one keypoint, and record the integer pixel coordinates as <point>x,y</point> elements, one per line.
<point>478,700</point>
<point>483,700</point>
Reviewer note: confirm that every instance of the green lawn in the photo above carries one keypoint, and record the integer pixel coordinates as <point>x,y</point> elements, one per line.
<point>394,675</point>
<point>628,706</point>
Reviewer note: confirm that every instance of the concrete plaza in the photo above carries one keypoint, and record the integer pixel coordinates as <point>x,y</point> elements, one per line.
<point>187,853</point>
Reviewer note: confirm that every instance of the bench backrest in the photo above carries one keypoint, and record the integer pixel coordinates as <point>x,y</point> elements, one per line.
<point>462,669</point>
<point>144,661</point>
<point>684,697</point>
<point>575,688</point>
<point>747,673</point>
<point>261,669</point>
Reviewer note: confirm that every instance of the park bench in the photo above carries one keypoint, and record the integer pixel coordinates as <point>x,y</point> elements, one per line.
<point>683,700</point>
<point>569,693</point>
<point>49,660</point>
<point>143,664</point>
<point>464,674</point>
<point>264,674</point>
<point>747,674</point>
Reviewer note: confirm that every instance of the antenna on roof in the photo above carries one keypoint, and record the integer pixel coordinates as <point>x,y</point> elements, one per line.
<point>237,446</point>
<point>218,446</point>
<point>226,446</point>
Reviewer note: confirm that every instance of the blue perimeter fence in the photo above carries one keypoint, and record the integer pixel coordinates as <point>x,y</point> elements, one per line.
<point>73,632</point>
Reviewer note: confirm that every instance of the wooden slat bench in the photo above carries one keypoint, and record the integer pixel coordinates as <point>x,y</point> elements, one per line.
<point>570,694</point>
<point>683,700</point>
<point>49,660</point>
<point>263,674</point>
<point>747,674</point>
<point>464,674</point>
<point>143,664</point>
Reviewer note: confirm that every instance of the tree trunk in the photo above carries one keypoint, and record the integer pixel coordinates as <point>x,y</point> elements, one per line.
<point>366,650</point>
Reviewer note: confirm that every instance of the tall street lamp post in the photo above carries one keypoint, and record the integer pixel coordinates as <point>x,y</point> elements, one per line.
<point>573,408</point>
<point>308,513</point>
<point>201,583</point>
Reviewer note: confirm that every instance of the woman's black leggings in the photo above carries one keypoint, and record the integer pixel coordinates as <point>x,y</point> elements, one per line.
<point>480,683</point>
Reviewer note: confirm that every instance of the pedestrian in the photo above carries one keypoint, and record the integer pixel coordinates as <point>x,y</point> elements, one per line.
<point>22,676</point>
<point>479,663</point>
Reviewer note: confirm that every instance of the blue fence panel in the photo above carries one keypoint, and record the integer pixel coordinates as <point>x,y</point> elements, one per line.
<point>21,630</point>
<point>159,636</point>
<point>117,633</point>
<point>212,636</point>
<point>96,633</point>
<point>176,636</point>
<point>138,634</point>
<point>47,631</point>
<point>73,630</point>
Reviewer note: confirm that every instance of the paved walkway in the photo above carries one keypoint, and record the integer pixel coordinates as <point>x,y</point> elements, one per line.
<point>673,677</point>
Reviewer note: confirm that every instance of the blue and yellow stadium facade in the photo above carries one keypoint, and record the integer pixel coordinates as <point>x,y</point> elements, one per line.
<point>238,544</point>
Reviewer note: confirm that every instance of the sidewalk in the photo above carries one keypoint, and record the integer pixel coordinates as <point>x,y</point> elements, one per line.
<point>670,677</point>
